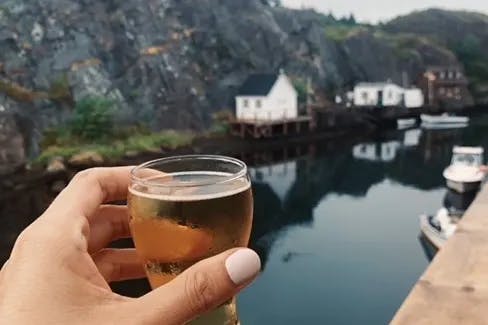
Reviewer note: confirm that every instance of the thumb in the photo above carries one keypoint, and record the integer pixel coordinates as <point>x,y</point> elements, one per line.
<point>201,288</point>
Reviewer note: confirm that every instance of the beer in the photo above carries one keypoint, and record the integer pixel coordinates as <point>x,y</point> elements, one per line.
<point>173,232</point>
<point>179,218</point>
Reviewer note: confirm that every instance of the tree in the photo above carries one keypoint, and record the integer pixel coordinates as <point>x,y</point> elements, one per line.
<point>93,118</point>
<point>271,3</point>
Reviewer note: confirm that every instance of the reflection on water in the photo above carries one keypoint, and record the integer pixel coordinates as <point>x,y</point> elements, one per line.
<point>336,227</point>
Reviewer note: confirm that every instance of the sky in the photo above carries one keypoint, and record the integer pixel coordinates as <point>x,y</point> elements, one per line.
<point>374,11</point>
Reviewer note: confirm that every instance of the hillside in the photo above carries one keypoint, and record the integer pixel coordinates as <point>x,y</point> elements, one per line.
<point>172,63</point>
<point>464,33</point>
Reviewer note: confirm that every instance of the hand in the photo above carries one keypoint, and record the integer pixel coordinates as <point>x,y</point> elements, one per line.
<point>59,269</point>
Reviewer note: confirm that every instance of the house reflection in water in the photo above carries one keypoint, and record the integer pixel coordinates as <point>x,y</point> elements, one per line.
<point>385,151</point>
<point>411,138</point>
<point>279,176</point>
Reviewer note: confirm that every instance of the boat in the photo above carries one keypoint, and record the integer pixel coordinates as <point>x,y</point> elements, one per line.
<point>465,174</point>
<point>404,123</point>
<point>438,228</point>
<point>443,119</point>
<point>445,126</point>
<point>457,203</point>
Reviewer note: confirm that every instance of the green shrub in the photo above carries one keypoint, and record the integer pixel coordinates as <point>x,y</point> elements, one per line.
<point>92,119</point>
<point>301,88</point>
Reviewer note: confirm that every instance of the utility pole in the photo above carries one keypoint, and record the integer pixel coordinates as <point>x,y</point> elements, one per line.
<point>309,93</point>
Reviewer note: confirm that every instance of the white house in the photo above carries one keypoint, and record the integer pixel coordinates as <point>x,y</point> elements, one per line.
<point>267,97</point>
<point>386,94</point>
<point>414,97</point>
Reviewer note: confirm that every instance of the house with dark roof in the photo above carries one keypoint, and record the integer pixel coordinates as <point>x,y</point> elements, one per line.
<point>267,97</point>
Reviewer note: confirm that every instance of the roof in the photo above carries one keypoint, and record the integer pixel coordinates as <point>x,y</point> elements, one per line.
<point>468,150</point>
<point>258,85</point>
<point>436,68</point>
<point>376,84</point>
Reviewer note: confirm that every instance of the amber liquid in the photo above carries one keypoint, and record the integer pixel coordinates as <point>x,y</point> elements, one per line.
<point>175,228</point>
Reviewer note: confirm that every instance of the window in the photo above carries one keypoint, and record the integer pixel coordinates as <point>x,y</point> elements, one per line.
<point>459,75</point>
<point>245,103</point>
<point>364,95</point>
<point>457,90</point>
<point>451,75</point>
<point>442,75</point>
<point>390,94</point>
<point>442,91</point>
<point>258,103</point>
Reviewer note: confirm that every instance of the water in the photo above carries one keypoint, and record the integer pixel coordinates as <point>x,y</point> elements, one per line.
<point>337,228</point>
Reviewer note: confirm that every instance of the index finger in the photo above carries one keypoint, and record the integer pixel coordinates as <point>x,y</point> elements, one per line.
<point>91,188</point>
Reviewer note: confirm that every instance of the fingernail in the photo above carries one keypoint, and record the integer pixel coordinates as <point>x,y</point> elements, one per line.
<point>243,265</point>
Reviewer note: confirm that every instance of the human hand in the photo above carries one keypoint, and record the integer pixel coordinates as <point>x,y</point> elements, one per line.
<point>59,268</point>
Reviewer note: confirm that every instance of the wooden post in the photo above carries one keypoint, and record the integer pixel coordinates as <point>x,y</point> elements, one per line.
<point>243,130</point>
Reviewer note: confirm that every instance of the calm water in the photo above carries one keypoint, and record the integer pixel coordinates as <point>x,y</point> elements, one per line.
<point>337,229</point>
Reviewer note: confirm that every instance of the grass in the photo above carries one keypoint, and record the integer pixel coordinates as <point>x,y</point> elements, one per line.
<point>113,149</point>
<point>340,33</point>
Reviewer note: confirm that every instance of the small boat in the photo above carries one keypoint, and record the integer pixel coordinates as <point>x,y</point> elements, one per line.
<point>437,229</point>
<point>446,126</point>
<point>443,119</point>
<point>457,203</point>
<point>403,123</point>
<point>464,173</point>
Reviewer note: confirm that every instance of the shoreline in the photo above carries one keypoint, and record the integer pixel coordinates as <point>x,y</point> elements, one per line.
<point>246,149</point>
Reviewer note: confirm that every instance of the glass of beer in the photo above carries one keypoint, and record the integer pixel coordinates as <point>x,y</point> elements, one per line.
<point>185,209</point>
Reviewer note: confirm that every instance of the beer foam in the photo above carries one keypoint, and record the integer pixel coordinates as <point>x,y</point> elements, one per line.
<point>182,192</point>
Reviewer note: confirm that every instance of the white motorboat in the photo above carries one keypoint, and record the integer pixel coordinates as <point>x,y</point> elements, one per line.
<point>404,123</point>
<point>464,173</point>
<point>437,229</point>
<point>443,119</point>
<point>444,126</point>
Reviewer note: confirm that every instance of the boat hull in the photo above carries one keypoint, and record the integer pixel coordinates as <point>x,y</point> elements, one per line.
<point>406,123</point>
<point>463,187</point>
<point>434,236</point>
<point>443,119</point>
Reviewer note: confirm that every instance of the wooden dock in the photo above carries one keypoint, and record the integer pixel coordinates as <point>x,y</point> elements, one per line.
<point>454,288</point>
<point>271,128</point>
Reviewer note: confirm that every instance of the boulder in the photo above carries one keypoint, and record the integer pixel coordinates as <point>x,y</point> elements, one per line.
<point>58,186</point>
<point>56,165</point>
<point>12,149</point>
<point>86,159</point>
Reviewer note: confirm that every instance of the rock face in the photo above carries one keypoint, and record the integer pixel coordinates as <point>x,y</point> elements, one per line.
<point>12,154</point>
<point>172,63</point>
<point>465,33</point>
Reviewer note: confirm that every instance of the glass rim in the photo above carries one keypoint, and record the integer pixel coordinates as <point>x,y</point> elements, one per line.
<point>141,181</point>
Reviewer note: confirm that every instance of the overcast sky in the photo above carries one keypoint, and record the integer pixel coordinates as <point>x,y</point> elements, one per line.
<point>378,10</point>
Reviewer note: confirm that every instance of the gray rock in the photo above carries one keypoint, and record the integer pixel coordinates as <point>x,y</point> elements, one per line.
<point>173,63</point>
<point>56,165</point>
<point>86,159</point>
<point>12,152</point>
<point>58,186</point>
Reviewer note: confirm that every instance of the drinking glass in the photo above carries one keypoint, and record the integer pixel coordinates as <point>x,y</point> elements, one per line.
<point>185,209</point>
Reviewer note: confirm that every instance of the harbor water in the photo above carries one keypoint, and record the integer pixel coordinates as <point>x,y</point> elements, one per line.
<point>337,229</point>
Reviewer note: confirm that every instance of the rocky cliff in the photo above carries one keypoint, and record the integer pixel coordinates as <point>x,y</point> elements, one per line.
<point>171,63</point>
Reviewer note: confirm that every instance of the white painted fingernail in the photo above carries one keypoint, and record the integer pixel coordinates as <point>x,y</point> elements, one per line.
<point>243,265</point>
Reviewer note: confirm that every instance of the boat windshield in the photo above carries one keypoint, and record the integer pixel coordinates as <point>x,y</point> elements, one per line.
<point>467,160</point>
